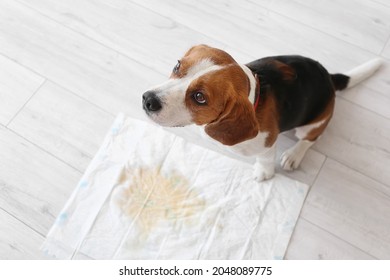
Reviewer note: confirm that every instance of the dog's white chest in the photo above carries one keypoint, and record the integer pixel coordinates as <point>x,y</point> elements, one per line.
<point>249,149</point>
<point>252,147</point>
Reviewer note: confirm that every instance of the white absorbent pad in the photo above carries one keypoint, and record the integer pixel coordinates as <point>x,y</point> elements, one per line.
<point>149,194</point>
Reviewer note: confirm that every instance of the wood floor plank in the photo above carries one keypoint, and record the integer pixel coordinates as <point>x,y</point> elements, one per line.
<point>17,85</point>
<point>351,206</point>
<point>370,99</point>
<point>33,184</point>
<point>386,50</point>
<point>310,242</point>
<point>359,139</point>
<point>259,32</point>
<point>360,22</point>
<point>151,39</point>
<point>383,2</point>
<point>63,124</point>
<point>95,72</point>
<point>18,241</point>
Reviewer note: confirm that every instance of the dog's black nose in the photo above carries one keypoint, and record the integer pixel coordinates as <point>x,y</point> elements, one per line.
<point>151,102</point>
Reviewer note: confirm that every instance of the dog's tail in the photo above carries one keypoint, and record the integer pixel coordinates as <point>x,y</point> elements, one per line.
<point>356,75</point>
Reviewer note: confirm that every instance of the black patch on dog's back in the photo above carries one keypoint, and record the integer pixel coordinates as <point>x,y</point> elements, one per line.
<point>300,97</point>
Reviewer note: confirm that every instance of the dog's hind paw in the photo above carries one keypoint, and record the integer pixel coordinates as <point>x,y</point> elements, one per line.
<point>291,158</point>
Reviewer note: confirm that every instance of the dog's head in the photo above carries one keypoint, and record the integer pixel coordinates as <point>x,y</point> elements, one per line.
<point>206,87</point>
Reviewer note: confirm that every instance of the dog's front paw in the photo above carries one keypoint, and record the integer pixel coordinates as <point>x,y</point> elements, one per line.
<point>262,172</point>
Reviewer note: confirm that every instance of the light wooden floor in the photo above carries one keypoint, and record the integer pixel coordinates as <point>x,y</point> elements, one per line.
<point>68,67</point>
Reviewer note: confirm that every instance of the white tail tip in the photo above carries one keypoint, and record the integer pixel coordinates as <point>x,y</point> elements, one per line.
<point>363,71</point>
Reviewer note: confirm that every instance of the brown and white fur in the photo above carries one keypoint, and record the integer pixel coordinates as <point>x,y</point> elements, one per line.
<point>210,89</point>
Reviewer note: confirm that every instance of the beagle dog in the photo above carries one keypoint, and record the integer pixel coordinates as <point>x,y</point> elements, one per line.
<point>245,107</point>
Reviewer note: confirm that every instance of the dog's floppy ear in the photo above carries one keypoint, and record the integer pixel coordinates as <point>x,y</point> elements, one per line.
<point>236,124</point>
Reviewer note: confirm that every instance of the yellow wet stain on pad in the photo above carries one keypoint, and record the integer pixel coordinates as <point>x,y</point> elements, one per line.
<point>150,194</point>
<point>151,198</point>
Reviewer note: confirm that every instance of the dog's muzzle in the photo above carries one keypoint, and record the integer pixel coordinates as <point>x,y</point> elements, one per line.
<point>150,102</point>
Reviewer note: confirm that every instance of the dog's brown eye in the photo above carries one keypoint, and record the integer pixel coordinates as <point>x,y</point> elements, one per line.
<point>177,66</point>
<point>199,97</point>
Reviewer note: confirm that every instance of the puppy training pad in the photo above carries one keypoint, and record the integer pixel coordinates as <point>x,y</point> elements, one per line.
<point>149,194</point>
